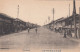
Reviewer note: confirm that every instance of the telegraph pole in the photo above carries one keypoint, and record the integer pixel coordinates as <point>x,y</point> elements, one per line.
<point>44,23</point>
<point>49,22</point>
<point>17,19</point>
<point>79,22</point>
<point>69,9</point>
<point>74,16</point>
<point>69,15</point>
<point>53,18</point>
<point>48,19</point>
<point>18,12</point>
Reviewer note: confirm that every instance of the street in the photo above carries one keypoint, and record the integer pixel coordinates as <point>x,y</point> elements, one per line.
<point>43,39</point>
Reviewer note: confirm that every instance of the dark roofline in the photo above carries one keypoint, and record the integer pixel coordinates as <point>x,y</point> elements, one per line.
<point>5,16</point>
<point>64,19</point>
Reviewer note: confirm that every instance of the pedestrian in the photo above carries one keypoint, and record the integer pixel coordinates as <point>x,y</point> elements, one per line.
<point>28,30</point>
<point>65,33</point>
<point>36,30</point>
<point>70,33</point>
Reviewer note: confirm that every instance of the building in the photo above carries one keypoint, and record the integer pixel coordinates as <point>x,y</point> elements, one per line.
<point>70,24</point>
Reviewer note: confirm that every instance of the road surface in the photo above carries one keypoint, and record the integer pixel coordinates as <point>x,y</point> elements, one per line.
<point>43,39</point>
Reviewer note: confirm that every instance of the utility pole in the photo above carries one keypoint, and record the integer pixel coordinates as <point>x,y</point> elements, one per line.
<point>69,10</point>
<point>74,16</point>
<point>18,12</point>
<point>17,16</point>
<point>69,16</point>
<point>44,23</point>
<point>49,22</point>
<point>79,22</point>
<point>53,18</point>
<point>48,19</point>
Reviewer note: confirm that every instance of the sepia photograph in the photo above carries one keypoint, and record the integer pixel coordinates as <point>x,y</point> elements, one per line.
<point>39,25</point>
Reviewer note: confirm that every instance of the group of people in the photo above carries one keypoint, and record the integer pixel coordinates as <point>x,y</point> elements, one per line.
<point>67,32</point>
<point>35,30</point>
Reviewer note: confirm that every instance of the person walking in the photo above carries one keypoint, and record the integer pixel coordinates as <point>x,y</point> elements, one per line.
<point>36,30</point>
<point>65,33</point>
<point>28,30</point>
<point>70,33</point>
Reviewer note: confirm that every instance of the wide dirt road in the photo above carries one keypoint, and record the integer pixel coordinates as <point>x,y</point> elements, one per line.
<point>43,39</point>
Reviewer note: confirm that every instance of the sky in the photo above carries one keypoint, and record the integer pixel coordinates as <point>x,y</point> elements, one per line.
<point>38,11</point>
